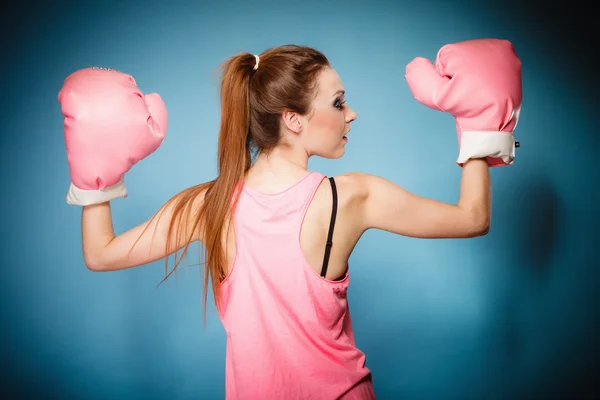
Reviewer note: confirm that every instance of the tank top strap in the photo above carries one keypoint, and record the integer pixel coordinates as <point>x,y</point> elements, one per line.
<point>311,184</point>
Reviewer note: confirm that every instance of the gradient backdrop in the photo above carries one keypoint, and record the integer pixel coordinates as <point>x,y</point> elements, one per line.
<point>510,315</point>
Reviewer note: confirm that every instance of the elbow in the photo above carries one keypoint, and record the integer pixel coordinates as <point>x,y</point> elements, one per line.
<point>481,226</point>
<point>94,267</point>
<point>476,222</point>
<point>479,219</point>
<point>93,264</point>
<point>483,230</point>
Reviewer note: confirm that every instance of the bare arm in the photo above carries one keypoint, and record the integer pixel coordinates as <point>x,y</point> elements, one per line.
<point>105,251</point>
<point>389,207</point>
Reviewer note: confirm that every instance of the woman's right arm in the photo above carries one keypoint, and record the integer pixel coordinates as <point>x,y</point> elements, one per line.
<point>389,207</point>
<point>104,251</point>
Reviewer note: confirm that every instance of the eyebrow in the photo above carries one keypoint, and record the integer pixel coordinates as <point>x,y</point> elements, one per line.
<point>339,92</point>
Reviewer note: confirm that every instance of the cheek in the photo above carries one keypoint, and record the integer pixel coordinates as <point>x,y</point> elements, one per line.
<point>324,122</point>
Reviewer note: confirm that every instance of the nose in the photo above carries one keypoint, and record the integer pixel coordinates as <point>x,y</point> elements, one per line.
<point>350,115</point>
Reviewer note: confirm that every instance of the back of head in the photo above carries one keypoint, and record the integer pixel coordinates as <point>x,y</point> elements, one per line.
<point>256,90</point>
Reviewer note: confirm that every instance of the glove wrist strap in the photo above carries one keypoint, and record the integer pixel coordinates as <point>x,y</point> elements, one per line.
<point>81,197</point>
<point>480,144</point>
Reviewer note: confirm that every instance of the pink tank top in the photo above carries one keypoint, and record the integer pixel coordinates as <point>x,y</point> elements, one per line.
<point>289,333</point>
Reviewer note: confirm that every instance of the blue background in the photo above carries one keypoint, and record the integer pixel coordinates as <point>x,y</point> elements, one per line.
<point>513,314</point>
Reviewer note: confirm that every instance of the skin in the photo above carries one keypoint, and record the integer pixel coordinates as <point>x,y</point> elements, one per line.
<point>364,201</point>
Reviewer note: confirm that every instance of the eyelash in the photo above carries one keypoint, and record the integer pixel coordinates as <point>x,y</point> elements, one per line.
<point>339,104</point>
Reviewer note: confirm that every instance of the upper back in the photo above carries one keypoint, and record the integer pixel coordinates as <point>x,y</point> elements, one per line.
<point>303,208</point>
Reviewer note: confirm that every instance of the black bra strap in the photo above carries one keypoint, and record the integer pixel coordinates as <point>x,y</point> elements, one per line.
<point>329,243</point>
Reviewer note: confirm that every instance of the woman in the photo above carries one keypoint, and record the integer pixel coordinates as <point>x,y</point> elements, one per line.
<point>277,236</point>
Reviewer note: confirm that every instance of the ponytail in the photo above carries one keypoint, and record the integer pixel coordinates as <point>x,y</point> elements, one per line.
<point>234,159</point>
<point>220,195</point>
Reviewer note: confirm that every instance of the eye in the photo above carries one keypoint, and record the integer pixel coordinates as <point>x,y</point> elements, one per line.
<point>339,103</point>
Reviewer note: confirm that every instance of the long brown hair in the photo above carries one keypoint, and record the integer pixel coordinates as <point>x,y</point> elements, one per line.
<point>252,102</point>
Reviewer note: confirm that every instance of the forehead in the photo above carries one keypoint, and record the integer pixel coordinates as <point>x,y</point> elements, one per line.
<point>329,82</point>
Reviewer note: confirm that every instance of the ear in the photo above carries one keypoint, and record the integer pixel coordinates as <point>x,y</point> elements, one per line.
<point>292,121</point>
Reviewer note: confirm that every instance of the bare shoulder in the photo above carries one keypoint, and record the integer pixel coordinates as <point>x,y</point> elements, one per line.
<point>352,192</point>
<point>354,186</point>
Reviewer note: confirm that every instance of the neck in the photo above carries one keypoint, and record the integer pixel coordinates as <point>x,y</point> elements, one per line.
<point>281,164</point>
<point>283,159</point>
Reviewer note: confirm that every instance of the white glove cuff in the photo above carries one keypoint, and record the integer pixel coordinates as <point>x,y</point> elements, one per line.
<point>80,197</point>
<point>480,144</point>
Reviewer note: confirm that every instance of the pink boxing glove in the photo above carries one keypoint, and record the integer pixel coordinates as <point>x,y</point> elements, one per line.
<point>479,83</point>
<point>109,125</point>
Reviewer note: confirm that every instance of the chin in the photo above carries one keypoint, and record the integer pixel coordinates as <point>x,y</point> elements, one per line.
<point>335,154</point>
<point>332,153</point>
